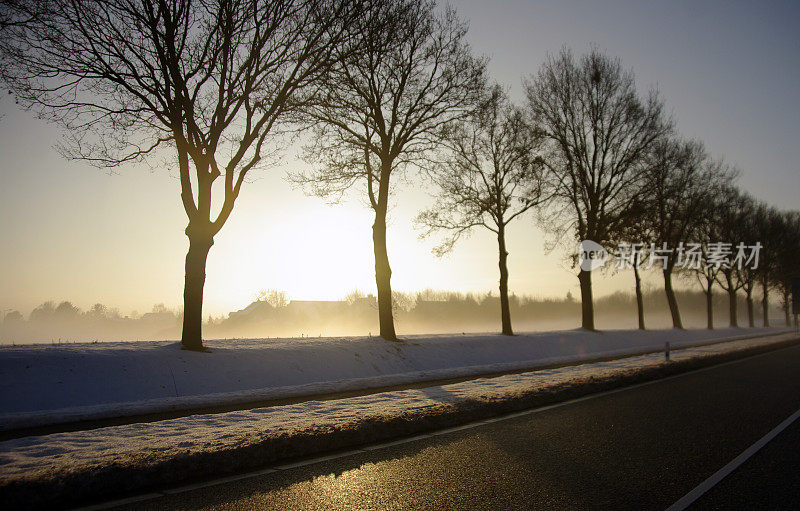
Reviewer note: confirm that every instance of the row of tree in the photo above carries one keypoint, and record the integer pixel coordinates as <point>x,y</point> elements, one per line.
<point>601,163</point>
<point>696,203</point>
<point>381,86</point>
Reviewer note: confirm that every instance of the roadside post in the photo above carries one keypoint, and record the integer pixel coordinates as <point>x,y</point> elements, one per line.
<point>666,351</point>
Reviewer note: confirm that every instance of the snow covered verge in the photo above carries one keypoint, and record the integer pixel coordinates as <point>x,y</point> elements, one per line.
<point>73,467</point>
<point>52,384</point>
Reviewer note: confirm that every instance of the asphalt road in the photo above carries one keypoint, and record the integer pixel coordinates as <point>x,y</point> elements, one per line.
<point>639,448</point>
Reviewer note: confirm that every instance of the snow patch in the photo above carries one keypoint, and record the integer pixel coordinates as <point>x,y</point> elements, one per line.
<point>46,384</point>
<point>105,459</point>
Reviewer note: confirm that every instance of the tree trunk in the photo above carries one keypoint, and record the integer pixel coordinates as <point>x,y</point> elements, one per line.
<point>671,300</point>
<point>505,310</point>
<point>751,322</point>
<point>639,297</point>
<point>587,306</point>
<point>765,303</point>
<point>196,257</point>
<point>734,320</point>
<point>709,292</point>
<point>383,276</point>
<point>786,308</point>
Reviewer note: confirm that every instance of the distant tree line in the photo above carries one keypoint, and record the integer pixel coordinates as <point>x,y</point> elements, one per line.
<point>382,88</point>
<point>63,321</point>
<point>428,311</point>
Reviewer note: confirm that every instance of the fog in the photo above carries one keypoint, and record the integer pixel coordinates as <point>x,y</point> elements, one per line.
<point>426,312</point>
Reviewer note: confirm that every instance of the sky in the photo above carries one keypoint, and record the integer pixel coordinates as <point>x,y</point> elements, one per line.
<point>729,73</point>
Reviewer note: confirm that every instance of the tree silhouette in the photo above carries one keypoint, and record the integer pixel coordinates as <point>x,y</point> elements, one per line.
<point>600,131</point>
<point>788,262</point>
<point>211,81</point>
<point>748,233</point>
<point>273,297</point>
<point>708,231</point>
<point>14,13</point>
<point>634,248</point>
<point>770,228</point>
<point>409,73</point>
<point>680,182</point>
<point>732,211</point>
<point>491,175</point>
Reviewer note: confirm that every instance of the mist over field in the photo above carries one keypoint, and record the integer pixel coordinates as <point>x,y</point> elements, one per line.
<point>425,312</point>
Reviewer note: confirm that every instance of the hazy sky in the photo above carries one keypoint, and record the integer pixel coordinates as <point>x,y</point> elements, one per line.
<point>729,72</point>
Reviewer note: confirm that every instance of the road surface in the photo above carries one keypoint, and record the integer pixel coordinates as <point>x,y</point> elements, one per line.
<point>643,447</point>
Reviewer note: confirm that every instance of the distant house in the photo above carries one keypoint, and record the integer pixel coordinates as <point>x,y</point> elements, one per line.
<point>256,311</point>
<point>158,318</point>
<point>300,315</point>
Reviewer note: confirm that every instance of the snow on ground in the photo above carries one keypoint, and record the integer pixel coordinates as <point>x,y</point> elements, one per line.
<point>147,444</point>
<point>44,384</point>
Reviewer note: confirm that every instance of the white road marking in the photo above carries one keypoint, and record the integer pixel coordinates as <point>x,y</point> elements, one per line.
<point>423,436</point>
<point>393,443</point>
<point>688,499</point>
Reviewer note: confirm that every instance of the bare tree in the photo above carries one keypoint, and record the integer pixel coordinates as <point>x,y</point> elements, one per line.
<point>491,175</point>
<point>747,272</point>
<point>787,264</point>
<point>769,226</point>
<point>15,13</point>
<point>600,130</point>
<point>273,297</point>
<point>732,210</point>
<point>410,74</point>
<point>210,80</point>
<point>680,181</point>
<point>706,274</point>
<point>637,254</point>
<point>634,249</point>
